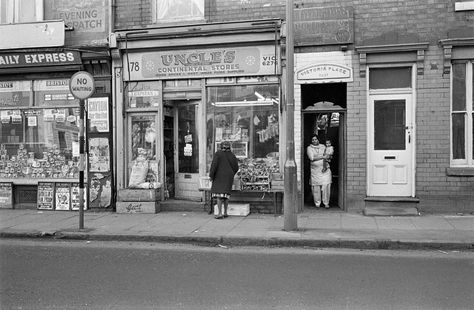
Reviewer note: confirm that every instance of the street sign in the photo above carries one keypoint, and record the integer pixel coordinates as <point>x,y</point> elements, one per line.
<point>82,85</point>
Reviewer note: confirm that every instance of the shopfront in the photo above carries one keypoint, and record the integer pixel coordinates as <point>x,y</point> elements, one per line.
<point>179,104</point>
<point>321,88</point>
<point>39,127</point>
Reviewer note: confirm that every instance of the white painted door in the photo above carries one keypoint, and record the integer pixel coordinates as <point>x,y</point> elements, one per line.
<point>391,141</point>
<point>187,153</point>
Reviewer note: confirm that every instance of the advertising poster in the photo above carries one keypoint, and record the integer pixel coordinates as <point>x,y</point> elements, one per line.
<point>6,196</point>
<point>75,203</point>
<point>63,196</point>
<point>98,114</point>
<point>100,191</point>
<point>99,155</point>
<point>45,196</point>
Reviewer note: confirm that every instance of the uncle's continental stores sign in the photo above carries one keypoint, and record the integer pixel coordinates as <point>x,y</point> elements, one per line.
<point>240,61</point>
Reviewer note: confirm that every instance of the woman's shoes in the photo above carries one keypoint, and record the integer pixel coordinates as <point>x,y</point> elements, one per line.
<point>225,215</point>
<point>219,217</point>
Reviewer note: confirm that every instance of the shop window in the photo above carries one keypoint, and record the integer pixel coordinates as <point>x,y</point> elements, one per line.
<point>38,130</point>
<point>39,143</point>
<point>387,78</point>
<point>143,164</point>
<point>248,117</point>
<point>142,94</point>
<point>462,114</point>
<point>177,10</point>
<point>20,11</point>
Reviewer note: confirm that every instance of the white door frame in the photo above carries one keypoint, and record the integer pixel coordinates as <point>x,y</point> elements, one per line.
<point>410,133</point>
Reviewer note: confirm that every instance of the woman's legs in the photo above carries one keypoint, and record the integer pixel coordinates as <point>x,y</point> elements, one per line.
<point>316,195</point>
<point>326,189</point>
<point>219,207</point>
<point>226,204</point>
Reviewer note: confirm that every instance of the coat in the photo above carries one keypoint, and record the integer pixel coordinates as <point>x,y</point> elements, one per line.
<point>223,168</point>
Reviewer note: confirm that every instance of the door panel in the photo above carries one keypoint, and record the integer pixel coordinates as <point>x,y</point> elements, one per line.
<point>390,146</point>
<point>187,154</point>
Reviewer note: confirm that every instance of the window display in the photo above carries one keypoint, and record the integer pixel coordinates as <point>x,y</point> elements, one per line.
<point>143,167</point>
<point>38,130</point>
<point>248,117</point>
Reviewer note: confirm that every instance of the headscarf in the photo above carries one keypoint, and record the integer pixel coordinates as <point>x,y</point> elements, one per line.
<point>225,146</point>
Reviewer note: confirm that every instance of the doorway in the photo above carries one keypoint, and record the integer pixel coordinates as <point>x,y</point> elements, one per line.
<point>181,149</point>
<point>390,145</point>
<point>323,108</point>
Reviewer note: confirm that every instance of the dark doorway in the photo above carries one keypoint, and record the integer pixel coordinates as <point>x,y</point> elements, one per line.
<point>323,107</point>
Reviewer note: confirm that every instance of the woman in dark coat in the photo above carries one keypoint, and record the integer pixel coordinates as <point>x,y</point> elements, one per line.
<point>223,168</point>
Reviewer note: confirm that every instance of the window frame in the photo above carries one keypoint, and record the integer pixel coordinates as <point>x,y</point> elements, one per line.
<point>177,19</point>
<point>468,161</point>
<point>13,16</point>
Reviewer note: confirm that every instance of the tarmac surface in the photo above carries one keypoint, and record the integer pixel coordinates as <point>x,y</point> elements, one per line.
<point>319,228</point>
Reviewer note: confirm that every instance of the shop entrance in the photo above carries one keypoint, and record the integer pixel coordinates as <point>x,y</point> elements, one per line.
<point>323,108</point>
<point>181,149</point>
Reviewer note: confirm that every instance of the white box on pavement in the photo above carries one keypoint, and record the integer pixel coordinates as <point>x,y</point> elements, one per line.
<point>235,209</point>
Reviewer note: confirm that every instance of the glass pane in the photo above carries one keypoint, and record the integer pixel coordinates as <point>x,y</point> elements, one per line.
<point>458,136</point>
<point>459,87</point>
<point>143,169</point>
<point>389,125</point>
<point>248,117</point>
<point>39,144</point>
<point>15,94</point>
<point>384,78</point>
<point>169,10</point>
<point>188,152</point>
<point>56,92</point>
<point>27,11</point>
<point>142,94</point>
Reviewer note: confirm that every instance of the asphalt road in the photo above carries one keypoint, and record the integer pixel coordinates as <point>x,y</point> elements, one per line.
<point>37,274</point>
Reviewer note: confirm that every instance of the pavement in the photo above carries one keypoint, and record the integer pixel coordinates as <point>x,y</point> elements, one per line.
<point>318,228</point>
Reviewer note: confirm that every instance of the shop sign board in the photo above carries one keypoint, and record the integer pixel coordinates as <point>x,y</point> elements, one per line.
<point>39,59</point>
<point>35,34</point>
<point>199,63</point>
<point>324,72</point>
<point>323,26</point>
<point>6,195</point>
<point>82,85</point>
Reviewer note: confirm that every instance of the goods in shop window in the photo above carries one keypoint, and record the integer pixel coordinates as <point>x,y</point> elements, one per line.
<point>255,174</point>
<point>24,164</point>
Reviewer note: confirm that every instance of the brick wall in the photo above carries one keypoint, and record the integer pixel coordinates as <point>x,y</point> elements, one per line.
<point>376,22</point>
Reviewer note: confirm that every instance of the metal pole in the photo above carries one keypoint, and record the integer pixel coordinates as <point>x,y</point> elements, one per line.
<point>290,191</point>
<point>81,163</point>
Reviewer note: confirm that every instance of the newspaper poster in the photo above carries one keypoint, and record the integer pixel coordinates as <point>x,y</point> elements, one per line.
<point>63,196</point>
<point>98,114</point>
<point>45,196</point>
<point>75,203</point>
<point>6,196</point>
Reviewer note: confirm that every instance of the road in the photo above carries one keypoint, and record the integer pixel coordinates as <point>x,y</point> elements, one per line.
<point>39,274</point>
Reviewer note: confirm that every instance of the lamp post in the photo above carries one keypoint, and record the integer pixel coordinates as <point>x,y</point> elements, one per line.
<point>290,182</point>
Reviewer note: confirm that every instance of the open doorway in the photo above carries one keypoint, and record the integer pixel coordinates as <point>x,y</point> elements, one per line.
<point>323,108</point>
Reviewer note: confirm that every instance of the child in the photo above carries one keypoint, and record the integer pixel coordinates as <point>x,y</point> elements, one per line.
<point>328,152</point>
